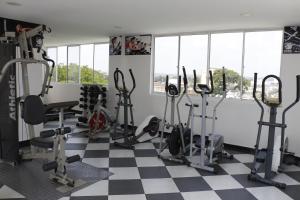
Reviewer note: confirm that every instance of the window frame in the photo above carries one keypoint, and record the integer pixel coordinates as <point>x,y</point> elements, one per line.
<point>209,33</point>
<point>67,64</point>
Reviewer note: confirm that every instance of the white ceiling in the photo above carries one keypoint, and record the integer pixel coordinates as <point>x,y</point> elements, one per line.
<point>83,21</point>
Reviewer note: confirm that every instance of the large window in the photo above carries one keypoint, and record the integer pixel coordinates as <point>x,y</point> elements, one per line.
<point>84,64</point>
<point>241,53</point>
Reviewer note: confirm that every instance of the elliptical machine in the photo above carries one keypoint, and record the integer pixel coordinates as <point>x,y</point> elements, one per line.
<point>268,156</point>
<point>127,131</point>
<point>175,140</point>
<point>211,145</point>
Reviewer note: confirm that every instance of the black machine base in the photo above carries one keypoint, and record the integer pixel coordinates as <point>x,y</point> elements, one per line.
<point>256,177</point>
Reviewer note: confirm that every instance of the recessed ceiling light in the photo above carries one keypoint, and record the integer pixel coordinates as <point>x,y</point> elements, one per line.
<point>12,3</point>
<point>246,14</point>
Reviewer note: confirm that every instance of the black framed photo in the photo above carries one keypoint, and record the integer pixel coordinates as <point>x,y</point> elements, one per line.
<point>291,40</point>
<point>138,45</point>
<point>115,45</point>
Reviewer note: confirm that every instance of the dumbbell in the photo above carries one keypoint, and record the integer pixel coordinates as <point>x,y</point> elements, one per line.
<point>103,89</point>
<point>83,99</point>
<point>103,101</point>
<point>103,95</point>
<point>85,106</point>
<point>84,88</point>
<point>84,94</point>
<point>93,101</point>
<point>91,107</point>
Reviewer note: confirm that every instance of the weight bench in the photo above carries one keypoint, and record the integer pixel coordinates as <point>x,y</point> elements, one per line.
<point>50,144</point>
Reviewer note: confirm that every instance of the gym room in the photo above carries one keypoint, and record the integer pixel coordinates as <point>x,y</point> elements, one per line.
<point>149,100</point>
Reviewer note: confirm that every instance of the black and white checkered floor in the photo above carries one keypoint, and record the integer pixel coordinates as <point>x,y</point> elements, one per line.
<point>140,175</point>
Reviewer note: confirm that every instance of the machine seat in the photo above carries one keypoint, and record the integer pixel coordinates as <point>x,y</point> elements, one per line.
<point>46,143</point>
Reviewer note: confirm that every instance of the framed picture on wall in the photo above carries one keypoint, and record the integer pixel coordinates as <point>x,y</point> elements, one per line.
<point>138,45</point>
<point>291,41</point>
<point>115,45</point>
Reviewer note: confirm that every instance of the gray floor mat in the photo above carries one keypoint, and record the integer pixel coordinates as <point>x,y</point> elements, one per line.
<point>29,179</point>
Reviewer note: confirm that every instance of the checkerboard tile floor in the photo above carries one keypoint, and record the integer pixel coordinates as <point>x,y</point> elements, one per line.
<point>140,175</point>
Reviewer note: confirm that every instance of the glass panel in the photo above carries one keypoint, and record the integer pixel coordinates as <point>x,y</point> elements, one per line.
<point>52,54</point>
<point>101,64</point>
<point>262,55</point>
<point>73,64</point>
<point>227,50</point>
<point>86,63</point>
<point>166,61</point>
<point>193,55</point>
<point>62,64</point>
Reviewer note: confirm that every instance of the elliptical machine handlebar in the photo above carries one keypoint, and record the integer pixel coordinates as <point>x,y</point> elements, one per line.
<point>263,96</point>
<point>167,83</point>
<point>116,80</point>
<point>133,81</point>
<point>185,81</point>
<point>209,90</point>
<point>224,79</point>
<point>298,88</point>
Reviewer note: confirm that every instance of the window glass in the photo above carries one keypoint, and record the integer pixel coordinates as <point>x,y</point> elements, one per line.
<point>226,51</point>
<point>62,64</point>
<point>263,56</point>
<point>52,54</point>
<point>193,55</point>
<point>86,63</point>
<point>101,64</point>
<point>73,64</point>
<point>166,61</point>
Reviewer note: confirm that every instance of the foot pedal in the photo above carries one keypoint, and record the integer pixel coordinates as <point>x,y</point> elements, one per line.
<point>50,166</point>
<point>72,159</point>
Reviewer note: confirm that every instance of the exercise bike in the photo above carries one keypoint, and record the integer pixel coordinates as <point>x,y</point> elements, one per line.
<point>272,156</point>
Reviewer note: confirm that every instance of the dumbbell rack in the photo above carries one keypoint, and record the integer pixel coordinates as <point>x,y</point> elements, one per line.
<point>89,98</point>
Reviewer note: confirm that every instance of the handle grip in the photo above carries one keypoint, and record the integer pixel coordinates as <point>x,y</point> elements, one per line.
<point>185,81</point>
<point>298,88</point>
<point>224,79</point>
<point>195,83</point>
<point>167,83</point>
<point>211,90</point>
<point>179,84</point>
<point>255,86</point>
<point>133,81</point>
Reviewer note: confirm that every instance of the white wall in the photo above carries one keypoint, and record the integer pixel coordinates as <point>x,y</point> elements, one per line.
<point>290,67</point>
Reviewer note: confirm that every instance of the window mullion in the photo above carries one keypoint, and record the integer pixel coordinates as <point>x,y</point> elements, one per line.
<point>208,56</point>
<point>178,56</point>
<point>242,66</point>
